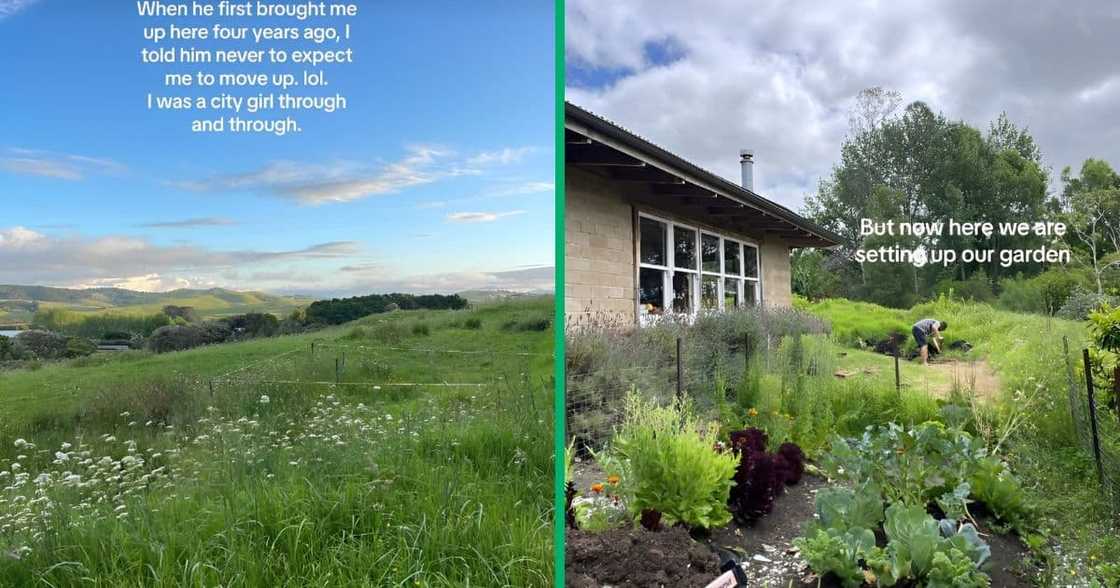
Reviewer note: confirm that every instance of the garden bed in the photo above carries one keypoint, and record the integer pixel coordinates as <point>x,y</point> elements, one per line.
<point>634,556</point>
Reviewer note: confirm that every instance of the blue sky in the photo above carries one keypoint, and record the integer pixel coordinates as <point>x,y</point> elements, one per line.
<point>439,176</point>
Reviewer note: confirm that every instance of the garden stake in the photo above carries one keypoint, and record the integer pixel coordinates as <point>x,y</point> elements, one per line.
<point>1093,414</point>
<point>336,368</point>
<point>897,376</point>
<point>680,371</point>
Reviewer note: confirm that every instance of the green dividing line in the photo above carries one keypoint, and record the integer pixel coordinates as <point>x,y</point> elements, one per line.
<point>558,331</point>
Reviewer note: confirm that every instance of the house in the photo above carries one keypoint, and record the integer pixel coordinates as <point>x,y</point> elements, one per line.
<point>648,233</point>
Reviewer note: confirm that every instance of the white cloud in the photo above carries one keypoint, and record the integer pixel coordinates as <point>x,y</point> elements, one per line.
<point>780,77</point>
<point>346,181</point>
<point>12,7</point>
<point>209,221</point>
<point>481,217</point>
<point>144,283</point>
<point>61,166</point>
<point>524,189</point>
<point>30,257</point>
<point>533,279</point>
<point>503,156</point>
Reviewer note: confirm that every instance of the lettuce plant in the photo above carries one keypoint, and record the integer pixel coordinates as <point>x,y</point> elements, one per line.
<point>761,476</point>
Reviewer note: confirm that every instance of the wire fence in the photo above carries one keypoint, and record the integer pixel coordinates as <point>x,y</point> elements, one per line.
<point>1098,431</point>
<point>711,370</point>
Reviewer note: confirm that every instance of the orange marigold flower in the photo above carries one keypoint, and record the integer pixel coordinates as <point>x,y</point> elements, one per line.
<point>613,480</point>
<point>597,488</point>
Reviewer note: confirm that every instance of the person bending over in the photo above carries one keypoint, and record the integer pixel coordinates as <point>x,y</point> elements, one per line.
<point>928,331</point>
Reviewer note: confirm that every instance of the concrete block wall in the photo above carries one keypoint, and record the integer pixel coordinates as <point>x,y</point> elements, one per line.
<point>777,277</point>
<point>599,251</point>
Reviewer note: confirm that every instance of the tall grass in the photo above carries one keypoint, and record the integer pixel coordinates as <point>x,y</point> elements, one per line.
<point>289,485</point>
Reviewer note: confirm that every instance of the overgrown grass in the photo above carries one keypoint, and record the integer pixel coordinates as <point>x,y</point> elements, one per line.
<point>285,485</point>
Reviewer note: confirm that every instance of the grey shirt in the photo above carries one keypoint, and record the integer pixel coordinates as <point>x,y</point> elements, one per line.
<point>926,325</point>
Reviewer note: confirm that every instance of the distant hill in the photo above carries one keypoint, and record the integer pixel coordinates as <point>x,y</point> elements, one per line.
<point>18,303</point>
<point>479,296</point>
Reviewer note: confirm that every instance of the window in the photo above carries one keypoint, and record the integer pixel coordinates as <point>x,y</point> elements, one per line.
<point>685,270</point>
<point>652,267</point>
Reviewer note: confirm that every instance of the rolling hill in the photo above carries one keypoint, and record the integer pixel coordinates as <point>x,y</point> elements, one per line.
<point>18,303</point>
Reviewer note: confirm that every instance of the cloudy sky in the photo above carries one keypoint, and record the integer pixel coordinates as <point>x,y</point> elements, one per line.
<point>780,77</point>
<point>439,176</point>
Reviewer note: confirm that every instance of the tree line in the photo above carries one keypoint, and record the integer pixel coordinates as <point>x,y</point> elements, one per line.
<point>911,164</point>
<point>340,310</point>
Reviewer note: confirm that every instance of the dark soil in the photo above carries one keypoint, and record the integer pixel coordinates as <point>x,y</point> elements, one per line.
<point>637,557</point>
<point>765,547</point>
<point>671,558</point>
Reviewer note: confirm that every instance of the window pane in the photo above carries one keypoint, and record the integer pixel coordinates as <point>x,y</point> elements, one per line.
<point>651,290</point>
<point>709,251</point>
<point>750,260</point>
<point>653,241</point>
<point>684,247</point>
<point>731,293</point>
<point>750,293</point>
<point>730,257</point>
<point>709,293</point>
<point>682,292</point>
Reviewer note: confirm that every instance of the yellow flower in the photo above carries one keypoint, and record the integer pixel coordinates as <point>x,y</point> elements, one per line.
<point>597,488</point>
<point>752,412</point>
<point>613,480</point>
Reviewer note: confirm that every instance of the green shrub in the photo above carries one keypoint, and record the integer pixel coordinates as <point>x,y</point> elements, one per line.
<point>541,323</point>
<point>182,337</point>
<point>421,329</point>
<point>977,287</point>
<point>1081,303</point>
<point>670,463</point>
<point>1021,295</point>
<point>96,326</point>
<point>473,323</point>
<point>42,344</point>
<point>79,347</point>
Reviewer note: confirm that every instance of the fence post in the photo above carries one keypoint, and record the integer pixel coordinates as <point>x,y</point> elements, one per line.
<point>1093,414</point>
<point>680,371</point>
<point>897,370</point>
<point>336,368</point>
<point>746,354</point>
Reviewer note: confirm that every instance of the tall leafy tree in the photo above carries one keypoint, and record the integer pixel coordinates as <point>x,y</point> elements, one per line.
<point>1090,203</point>
<point>934,170</point>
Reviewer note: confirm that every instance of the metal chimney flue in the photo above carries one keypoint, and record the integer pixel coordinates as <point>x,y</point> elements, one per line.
<point>746,161</point>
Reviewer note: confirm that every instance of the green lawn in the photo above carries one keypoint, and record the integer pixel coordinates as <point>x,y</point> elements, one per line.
<point>160,483</point>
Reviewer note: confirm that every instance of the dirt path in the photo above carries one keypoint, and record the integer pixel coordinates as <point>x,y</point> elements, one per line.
<point>976,376</point>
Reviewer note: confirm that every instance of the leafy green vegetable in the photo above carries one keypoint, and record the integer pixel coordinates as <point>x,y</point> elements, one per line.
<point>844,508</point>
<point>669,464</point>
<point>837,552</point>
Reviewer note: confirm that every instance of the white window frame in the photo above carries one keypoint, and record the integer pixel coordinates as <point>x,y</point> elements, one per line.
<point>670,268</point>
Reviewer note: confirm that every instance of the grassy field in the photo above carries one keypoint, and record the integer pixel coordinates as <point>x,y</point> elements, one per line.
<point>130,473</point>
<point>1030,414</point>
